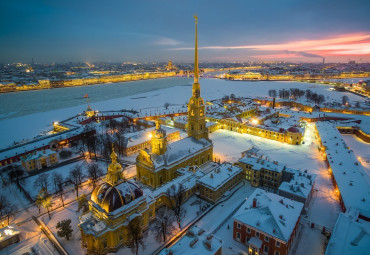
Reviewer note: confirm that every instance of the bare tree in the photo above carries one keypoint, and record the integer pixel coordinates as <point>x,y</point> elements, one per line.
<point>44,200</point>
<point>93,172</point>
<point>16,174</point>
<point>57,180</point>
<point>7,209</point>
<point>163,224</point>
<point>135,235</point>
<point>91,142</point>
<point>59,192</point>
<point>75,176</point>
<point>47,203</point>
<point>175,196</point>
<point>166,105</point>
<point>41,182</point>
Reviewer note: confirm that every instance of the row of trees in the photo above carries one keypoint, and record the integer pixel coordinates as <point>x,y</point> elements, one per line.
<point>295,93</point>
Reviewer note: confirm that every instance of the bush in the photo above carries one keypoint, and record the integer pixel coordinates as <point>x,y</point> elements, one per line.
<point>65,154</point>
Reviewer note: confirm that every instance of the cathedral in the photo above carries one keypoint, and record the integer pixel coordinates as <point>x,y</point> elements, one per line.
<point>117,201</point>
<point>112,206</point>
<point>158,165</point>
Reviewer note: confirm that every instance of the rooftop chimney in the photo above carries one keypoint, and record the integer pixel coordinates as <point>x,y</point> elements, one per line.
<point>254,202</point>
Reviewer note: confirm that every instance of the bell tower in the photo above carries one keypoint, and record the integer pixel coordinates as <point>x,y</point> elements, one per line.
<point>159,140</point>
<point>196,108</point>
<point>114,174</point>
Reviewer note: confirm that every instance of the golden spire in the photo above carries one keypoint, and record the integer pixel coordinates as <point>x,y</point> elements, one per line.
<point>196,73</point>
<point>196,86</point>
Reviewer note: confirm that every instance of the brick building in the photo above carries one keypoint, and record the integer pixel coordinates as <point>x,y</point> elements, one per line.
<point>267,223</point>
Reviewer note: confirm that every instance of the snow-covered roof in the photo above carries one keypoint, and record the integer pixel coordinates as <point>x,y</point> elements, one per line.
<point>351,235</point>
<point>273,214</point>
<point>38,154</point>
<point>349,174</point>
<point>219,176</point>
<point>300,184</point>
<point>259,163</point>
<point>195,242</point>
<point>8,232</point>
<point>132,139</point>
<point>187,177</point>
<point>179,150</point>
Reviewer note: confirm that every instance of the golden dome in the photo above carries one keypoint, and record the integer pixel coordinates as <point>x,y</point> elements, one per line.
<point>110,198</point>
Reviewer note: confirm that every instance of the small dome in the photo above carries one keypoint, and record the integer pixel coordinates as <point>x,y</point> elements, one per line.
<point>111,197</point>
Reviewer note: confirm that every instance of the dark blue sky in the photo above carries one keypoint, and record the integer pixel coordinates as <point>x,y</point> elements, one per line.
<point>152,30</point>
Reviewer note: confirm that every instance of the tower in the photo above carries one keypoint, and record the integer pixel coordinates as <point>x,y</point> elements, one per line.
<point>159,140</point>
<point>114,174</point>
<point>196,108</point>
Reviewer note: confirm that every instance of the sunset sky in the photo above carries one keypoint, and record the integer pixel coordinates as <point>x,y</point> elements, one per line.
<point>158,30</point>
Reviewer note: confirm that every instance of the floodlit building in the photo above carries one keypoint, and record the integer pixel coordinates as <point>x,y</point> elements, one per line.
<point>39,160</point>
<point>215,183</point>
<point>8,236</point>
<point>158,165</point>
<point>113,205</point>
<point>267,223</point>
<point>134,142</point>
<point>261,172</point>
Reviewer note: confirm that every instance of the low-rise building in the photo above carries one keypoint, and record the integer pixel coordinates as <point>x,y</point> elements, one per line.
<point>261,172</point>
<point>39,159</point>
<point>267,223</point>
<point>299,188</point>
<point>221,179</point>
<point>8,236</point>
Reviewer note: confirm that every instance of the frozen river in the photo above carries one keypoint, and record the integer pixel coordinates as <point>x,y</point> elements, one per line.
<point>24,115</point>
<point>28,102</point>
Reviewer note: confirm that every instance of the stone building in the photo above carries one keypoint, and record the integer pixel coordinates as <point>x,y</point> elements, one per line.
<point>267,223</point>
<point>39,160</point>
<point>157,166</point>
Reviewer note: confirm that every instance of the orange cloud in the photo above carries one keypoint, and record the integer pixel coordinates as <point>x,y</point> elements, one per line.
<point>352,44</point>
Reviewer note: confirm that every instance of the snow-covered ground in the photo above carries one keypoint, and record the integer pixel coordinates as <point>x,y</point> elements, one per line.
<point>229,145</point>
<point>32,124</point>
<point>361,150</point>
<point>64,171</point>
<point>72,246</point>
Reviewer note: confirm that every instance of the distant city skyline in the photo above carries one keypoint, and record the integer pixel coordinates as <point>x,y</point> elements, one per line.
<point>156,31</point>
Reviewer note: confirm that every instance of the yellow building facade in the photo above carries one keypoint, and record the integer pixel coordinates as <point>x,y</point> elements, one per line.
<point>157,166</point>
<point>113,205</point>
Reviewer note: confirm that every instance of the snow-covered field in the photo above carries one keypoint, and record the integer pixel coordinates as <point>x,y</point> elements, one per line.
<point>73,246</point>
<point>64,171</point>
<point>31,125</point>
<point>361,150</point>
